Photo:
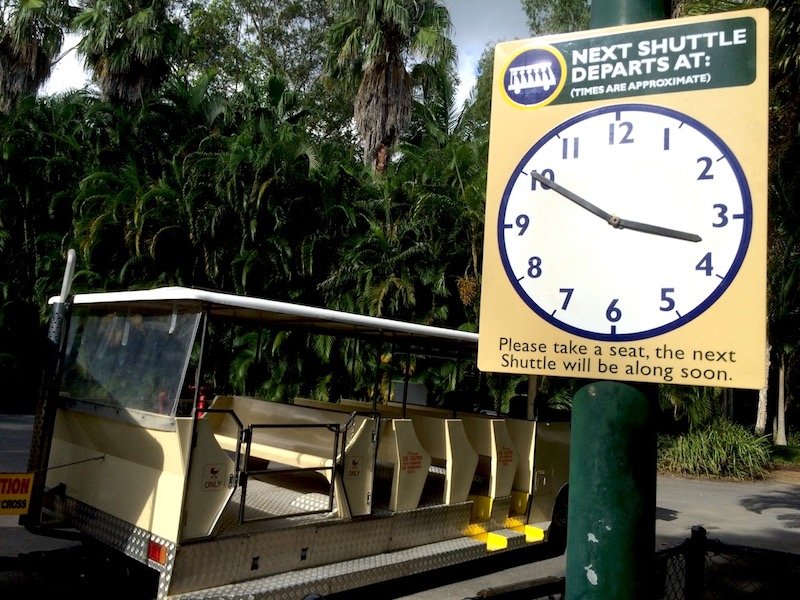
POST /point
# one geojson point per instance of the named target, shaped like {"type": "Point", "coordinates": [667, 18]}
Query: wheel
{"type": "Point", "coordinates": [557, 534]}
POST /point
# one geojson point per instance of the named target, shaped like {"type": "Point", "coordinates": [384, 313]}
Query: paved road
{"type": "Point", "coordinates": [761, 514]}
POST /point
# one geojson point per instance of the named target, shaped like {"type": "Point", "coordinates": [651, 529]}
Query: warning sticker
{"type": "Point", "coordinates": [15, 493]}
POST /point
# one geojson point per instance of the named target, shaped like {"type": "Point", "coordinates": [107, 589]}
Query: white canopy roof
{"type": "Point", "coordinates": [284, 315]}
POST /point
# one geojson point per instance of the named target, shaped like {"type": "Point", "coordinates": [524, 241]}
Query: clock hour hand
{"type": "Point", "coordinates": [613, 220]}
{"type": "Point", "coordinates": [654, 229]}
{"type": "Point", "coordinates": [595, 210]}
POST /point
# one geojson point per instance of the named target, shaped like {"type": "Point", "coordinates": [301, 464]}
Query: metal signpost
{"type": "Point", "coordinates": [625, 241]}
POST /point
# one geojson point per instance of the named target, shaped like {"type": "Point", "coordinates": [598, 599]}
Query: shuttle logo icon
{"type": "Point", "coordinates": [534, 77]}
{"type": "Point", "coordinates": [212, 477]}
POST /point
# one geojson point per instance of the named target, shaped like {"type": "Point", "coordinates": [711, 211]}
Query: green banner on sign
{"type": "Point", "coordinates": [712, 54]}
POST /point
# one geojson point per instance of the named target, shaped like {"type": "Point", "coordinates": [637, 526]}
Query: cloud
{"type": "Point", "coordinates": [478, 23]}
{"type": "Point", "coordinates": [68, 73]}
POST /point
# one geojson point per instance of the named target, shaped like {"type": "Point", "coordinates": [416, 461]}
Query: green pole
{"type": "Point", "coordinates": [612, 474]}
{"type": "Point", "coordinates": [612, 494]}
{"type": "Point", "coordinates": [605, 13]}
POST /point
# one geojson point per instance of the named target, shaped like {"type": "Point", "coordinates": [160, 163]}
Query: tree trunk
{"type": "Point", "coordinates": [780, 431]}
{"type": "Point", "coordinates": [727, 398]}
{"type": "Point", "coordinates": [761, 412]}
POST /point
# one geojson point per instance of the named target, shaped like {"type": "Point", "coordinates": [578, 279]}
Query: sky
{"type": "Point", "coordinates": [476, 23]}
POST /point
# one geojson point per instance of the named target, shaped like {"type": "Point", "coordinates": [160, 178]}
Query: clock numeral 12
{"type": "Point", "coordinates": [626, 134]}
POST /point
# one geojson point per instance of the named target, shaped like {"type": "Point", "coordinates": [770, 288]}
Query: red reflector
{"type": "Point", "coordinates": [156, 552]}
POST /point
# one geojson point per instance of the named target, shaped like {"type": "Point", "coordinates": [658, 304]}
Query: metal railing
{"type": "Point", "coordinates": [707, 569]}
{"type": "Point", "coordinates": [243, 454]}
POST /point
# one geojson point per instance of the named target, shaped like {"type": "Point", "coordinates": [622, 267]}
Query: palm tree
{"type": "Point", "coordinates": [415, 251]}
{"type": "Point", "coordinates": [31, 36]}
{"type": "Point", "coordinates": [129, 46]}
{"type": "Point", "coordinates": [373, 42]}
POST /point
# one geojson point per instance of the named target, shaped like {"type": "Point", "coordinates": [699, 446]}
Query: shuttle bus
{"type": "Point", "coordinates": [244, 447]}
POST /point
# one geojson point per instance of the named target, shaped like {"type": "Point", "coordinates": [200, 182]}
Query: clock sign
{"type": "Point", "coordinates": [626, 217]}
{"type": "Point", "coordinates": [663, 209]}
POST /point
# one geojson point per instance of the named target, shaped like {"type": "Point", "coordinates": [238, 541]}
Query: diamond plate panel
{"type": "Point", "coordinates": [500, 511]}
{"type": "Point", "coordinates": [121, 536]}
{"type": "Point", "coordinates": [429, 524]}
{"type": "Point", "coordinates": [289, 558]}
{"type": "Point", "coordinates": [347, 575]}
{"type": "Point", "coordinates": [256, 554]}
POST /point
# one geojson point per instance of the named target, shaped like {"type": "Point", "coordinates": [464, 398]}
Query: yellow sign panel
{"type": "Point", "coordinates": [15, 493]}
{"type": "Point", "coordinates": [626, 212]}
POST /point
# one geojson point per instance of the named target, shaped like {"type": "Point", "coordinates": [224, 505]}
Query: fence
{"type": "Point", "coordinates": [697, 569]}
{"type": "Point", "coordinates": [705, 569]}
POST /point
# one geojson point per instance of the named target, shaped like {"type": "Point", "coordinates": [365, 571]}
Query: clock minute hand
{"type": "Point", "coordinates": [654, 229]}
{"type": "Point", "coordinates": [595, 210]}
{"type": "Point", "coordinates": [613, 220]}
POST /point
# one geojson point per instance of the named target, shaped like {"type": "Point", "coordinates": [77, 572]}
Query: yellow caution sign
{"type": "Point", "coordinates": [15, 493]}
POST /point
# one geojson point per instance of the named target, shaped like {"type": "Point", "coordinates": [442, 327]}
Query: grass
{"type": "Point", "coordinates": [785, 455]}
{"type": "Point", "coordinates": [720, 450]}
{"type": "Point", "coordinates": [725, 450]}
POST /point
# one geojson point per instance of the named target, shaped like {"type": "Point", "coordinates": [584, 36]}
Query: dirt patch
{"type": "Point", "coordinates": [785, 474]}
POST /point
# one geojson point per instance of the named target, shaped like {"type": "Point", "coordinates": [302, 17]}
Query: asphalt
{"type": "Point", "coordinates": [759, 514]}
{"type": "Point", "coordinates": [15, 440]}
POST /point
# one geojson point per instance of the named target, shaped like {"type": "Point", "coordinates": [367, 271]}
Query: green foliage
{"type": "Point", "coordinates": [546, 16]}
{"type": "Point", "coordinates": [693, 403]}
{"type": "Point", "coordinates": [789, 454]}
{"type": "Point", "coordinates": [721, 449]}
{"type": "Point", "coordinates": [241, 172]}
{"type": "Point", "coordinates": [793, 439]}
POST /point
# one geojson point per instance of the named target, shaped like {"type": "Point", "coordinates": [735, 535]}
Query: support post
{"type": "Point", "coordinates": [44, 419]}
{"type": "Point", "coordinates": [611, 529]}
{"type": "Point", "coordinates": [695, 564]}
{"type": "Point", "coordinates": [612, 494]}
{"type": "Point", "coordinates": [606, 13]}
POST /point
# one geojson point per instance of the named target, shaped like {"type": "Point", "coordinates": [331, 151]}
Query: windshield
{"type": "Point", "coordinates": [129, 360]}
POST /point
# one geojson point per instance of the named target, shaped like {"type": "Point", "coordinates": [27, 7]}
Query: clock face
{"type": "Point", "coordinates": [644, 226]}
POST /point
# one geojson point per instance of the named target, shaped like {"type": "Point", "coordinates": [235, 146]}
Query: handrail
{"type": "Point", "coordinates": [239, 435]}
{"type": "Point", "coordinates": [333, 427]}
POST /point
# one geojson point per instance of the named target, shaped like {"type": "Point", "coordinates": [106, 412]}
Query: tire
{"type": "Point", "coordinates": [557, 534]}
